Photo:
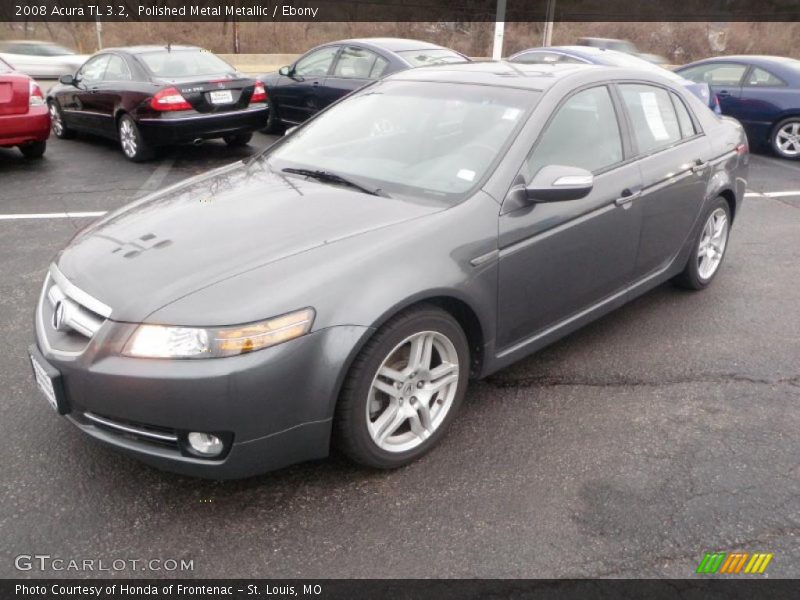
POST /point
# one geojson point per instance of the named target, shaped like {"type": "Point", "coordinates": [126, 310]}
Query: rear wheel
{"type": "Point", "coordinates": [130, 140]}
{"type": "Point", "coordinates": [236, 141]}
{"type": "Point", "coordinates": [33, 149]}
{"type": "Point", "coordinates": [60, 130]}
{"type": "Point", "coordinates": [709, 248]}
{"type": "Point", "coordinates": [786, 138]}
{"type": "Point", "coordinates": [403, 389]}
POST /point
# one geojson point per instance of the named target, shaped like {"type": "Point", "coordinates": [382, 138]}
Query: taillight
{"type": "Point", "coordinates": [259, 93]}
{"type": "Point", "coordinates": [169, 99]}
{"type": "Point", "coordinates": [35, 94]}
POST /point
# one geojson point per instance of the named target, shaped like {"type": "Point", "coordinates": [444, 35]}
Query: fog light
{"type": "Point", "coordinates": [205, 444]}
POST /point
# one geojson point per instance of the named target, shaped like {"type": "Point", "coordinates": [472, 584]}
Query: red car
{"type": "Point", "coordinates": [24, 118]}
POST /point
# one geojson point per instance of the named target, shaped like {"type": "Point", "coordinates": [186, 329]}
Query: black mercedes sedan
{"type": "Point", "coordinates": [328, 72]}
{"type": "Point", "coordinates": [343, 286]}
{"type": "Point", "coordinates": [149, 96]}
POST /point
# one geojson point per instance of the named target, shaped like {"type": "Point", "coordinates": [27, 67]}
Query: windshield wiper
{"type": "Point", "coordinates": [336, 178]}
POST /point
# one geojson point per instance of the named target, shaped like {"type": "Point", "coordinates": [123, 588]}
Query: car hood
{"type": "Point", "coordinates": [214, 227]}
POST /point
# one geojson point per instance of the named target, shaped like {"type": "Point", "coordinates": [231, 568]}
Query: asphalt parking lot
{"type": "Point", "coordinates": [629, 449]}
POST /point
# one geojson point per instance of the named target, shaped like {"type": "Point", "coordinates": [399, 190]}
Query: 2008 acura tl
{"type": "Point", "coordinates": [343, 286]}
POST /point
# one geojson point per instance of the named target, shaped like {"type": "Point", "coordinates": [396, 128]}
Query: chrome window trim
{"type": "Point", "coordinates": [232, 113]}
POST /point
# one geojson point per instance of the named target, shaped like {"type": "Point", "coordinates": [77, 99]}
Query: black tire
{"type": "Point", "coordinates": [274, 125]}
{"type": "Point", "coordinates": [33, 150]}
{"type": "Point", "coordinates": [792, 136]}
{"type": "Point", "coordinates": [691, 277]}
{"type": "Point", "coordinates": [133, 145]}
{"type": "Point", "coordinates": [57, 125]}
{"type": "Point", "coordinates": [237, 141]}
{"type": "Point", "coordinates": [351, 434]}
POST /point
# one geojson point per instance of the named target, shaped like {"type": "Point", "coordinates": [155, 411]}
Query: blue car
{"type": "Point", "coordinates": [613, 58]}
{"type": "Point", "coordinates": [762, 92]}
{"type": "Point", "coordinates": [328, 72]}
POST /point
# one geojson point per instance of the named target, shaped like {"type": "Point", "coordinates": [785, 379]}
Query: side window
{"type": "Point", "coordinates": [761, 78]}
{"type": "Point", "coordinates": [583, 133]}
{"type": "Point", "coordinates": [653, 117]}
{"type": "Point", "coordinates": [354, 62]}
{"type": "Point", "coordinates": [379, 68]}
{"type": "Point", "coordinates": [317, 63]}
{"type": "Point", "coordinates": [94, 69]}
{"type": "Point", "coordinates": [684, 119]}
{"type": "Point", "coordinates": [117, 70]}
{"type": "Point", "coordinates": [716, 73]}
{"type": "Point", "coordinates": [537, 58]}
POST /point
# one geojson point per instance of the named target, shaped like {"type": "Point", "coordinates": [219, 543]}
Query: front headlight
{"type": "Point", "coordinates": [161, 341]}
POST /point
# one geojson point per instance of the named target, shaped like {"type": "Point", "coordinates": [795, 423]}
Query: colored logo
{"type": "Point", "coordinates": [734, 563]}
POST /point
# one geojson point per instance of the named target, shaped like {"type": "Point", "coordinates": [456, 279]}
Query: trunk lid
{"type": "Point", "coordinates": [220, 93]}
{"type": "Point", "coordinates": [14, 94]}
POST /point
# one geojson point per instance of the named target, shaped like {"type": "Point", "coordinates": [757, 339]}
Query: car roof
{"type": "Point", "coordinates": [392, 44]}
{"type": "Point", "coordinates": [149, 48]}
{"type": "Point", "coordinates": [536, 77]}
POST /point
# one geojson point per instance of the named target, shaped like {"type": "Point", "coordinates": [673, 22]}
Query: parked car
{"type": "Point", "coordinates": [625, 46]}
{"type": "Point", "coordinates": [328, 72]}
{"type": "Point", "coordinates": [24, 120]}
{"type": "Point", "coordinates": [613, 58]}
{"type": "Point", "coordinates": [44, 60]}
{"type": "Point", "coordinates": [762, 92]}
{"type": "Point", "coordinates": [346, 283]}
{"type": "Point", "coordinates": [149, 96]}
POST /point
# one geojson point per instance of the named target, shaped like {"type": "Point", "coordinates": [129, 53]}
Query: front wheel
{"type": "Point", "coordinates": [237, 141]}
{"type": "Point", "coordinates": [60, 130]}
{"type": "Point", "coordinates": [131, 141]}
{"type": "Point", "coordinates": [273, 121]}
{"type": "Point", "coordinates": [709, 248]}
{"type": "Point", "coordinates": [403, 389]}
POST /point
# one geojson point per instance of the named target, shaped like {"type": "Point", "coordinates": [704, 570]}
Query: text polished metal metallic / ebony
{"type": "Point", "coordinates": [343, 286]}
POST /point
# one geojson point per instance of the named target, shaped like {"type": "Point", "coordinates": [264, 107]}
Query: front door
{"type": "Point", "coordinates": [298, 95]}
{"type": "Point", "coordinates": [558, 258]}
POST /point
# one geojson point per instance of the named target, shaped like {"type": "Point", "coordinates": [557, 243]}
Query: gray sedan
{"type": "Point", "coordinates": [343, 286]}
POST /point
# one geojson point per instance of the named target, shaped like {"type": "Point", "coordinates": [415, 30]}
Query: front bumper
{"type": "Point", "coordinates": [170, 128]}
{"type": "Point", "coordinates": [275, 406]}
{"type": "Point", "coordinates": [33, 126]}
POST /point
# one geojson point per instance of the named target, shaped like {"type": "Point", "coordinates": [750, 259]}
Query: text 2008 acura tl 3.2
{"type": "Point", "coordinates": [342, 287]}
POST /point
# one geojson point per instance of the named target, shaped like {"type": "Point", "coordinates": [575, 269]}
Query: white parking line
{"type": "Point", "coordinates": [773, 194]}
{"type": "Point", "coordinates": [58, 215]}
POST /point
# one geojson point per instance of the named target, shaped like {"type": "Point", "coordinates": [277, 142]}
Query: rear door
{"type": "Point", "coordinates": [558, 258]}
{"type": "Point", "coordinates": [725, 80]}
{"type": "Point", "coordinates": [354, 68]}
{"type": "Point", "coordinates": [298, 94]}
{"type": "Point", "coordinates": [673, 156]}
{"type": "Point", "coordinates": [765, 98]}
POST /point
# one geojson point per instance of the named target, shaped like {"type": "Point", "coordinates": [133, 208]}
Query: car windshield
{"type": "Point", "coordinates": [415, 138]}
{"type": "Point", "coordinates": [433, 56]}
{"type": "Point", "coordinates": [184, 63]}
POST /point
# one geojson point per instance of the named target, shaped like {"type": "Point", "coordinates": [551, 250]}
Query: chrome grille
{"type": "Point", "coordinates": [67, 317]}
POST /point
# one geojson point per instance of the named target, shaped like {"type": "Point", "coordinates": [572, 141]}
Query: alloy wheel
{"type": "Point", "coordinates": [787, 139]}
{"type": "Point", "coordinates": [127, 138]}
{"type": "Point", "coordinates": [55, 120]}
{"type": "Point", "coordinates": [712, 243]}
{"type": "Point", "coordinates": [412, 391]}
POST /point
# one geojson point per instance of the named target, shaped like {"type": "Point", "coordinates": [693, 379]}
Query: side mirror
{"type": "Point", "coordinates": [67, 79]}
{"type": "Point", "coordinates": [285, 71]}
{"type": "Point", "coordinates": [555, 183]}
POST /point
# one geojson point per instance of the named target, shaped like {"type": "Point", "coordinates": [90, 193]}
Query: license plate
{"type": "Point", "coordinates": [45, 383]}
{"type": "Point", "coordinates": [221, 97]}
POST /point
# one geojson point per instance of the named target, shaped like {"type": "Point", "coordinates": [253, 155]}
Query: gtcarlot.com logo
{"type": "Point", "coordinates": [46, 562]}
{"type": "Point", "coordinates": [734, 563]}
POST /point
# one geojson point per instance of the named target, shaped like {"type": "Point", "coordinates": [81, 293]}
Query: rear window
{"type": "Point", "coordinates": [434, 56]}
{"type": "Point", "coordinates": [184, 63]}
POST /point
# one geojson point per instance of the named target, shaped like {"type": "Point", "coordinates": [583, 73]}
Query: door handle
{"type": "Point", "coordinates": [699, 166]}
{"type": "Point", "coordinates": [723, 93]}
{"type": "Point", "coordinates": [627, 197]}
